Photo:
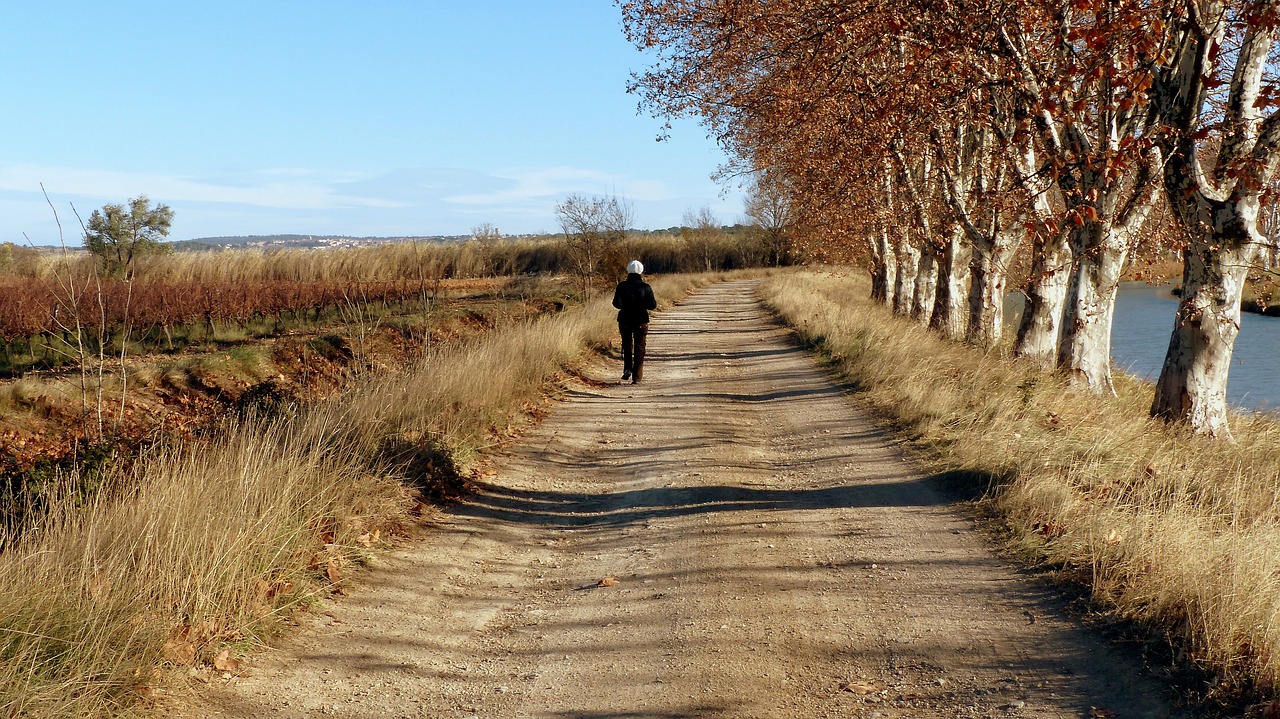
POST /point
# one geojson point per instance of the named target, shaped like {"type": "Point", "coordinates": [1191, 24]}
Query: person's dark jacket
{"type": "Point", "coordinates": [634, 298]}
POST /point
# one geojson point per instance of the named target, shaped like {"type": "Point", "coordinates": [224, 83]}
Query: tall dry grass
{"type": "Point", "coordinates": [206, 545]}
{"type": "Point", "coordinates": [1178, 533]}
{"type": "Point", "coordinates": [391, 261]}
{"type": "Point", "coordinates": [414, 261]}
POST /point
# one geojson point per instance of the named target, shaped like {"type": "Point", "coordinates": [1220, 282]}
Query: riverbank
{"type": "Point", "coordinates": [1170, 533]}
{"type": "Point", "coordinates": [1256, 299]}
{"type": "Point", "coordinates": [1261, 294]}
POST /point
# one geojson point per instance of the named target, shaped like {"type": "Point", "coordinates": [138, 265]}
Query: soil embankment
{"type": "Point", "coordinates": [732, 538]}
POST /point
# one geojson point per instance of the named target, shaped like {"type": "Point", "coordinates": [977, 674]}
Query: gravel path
{"type": "Point", "coordinates": [732, 538]}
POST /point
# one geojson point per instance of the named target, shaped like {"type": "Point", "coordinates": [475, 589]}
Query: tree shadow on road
{"type": "Point", "coordinates": [624, 507]}
{"type": "Point", "coordinates": [692, 713]}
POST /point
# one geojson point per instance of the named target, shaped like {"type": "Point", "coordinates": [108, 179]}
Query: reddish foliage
{"type": "Point", "coordinates": [33, 307]}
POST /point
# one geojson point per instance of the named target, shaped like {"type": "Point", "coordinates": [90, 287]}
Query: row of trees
{"type": "Point", "coordinates": [947, 140]}
{"type": "Point", "coordinates": [596, 229]}
{"type": "Point", "coordinates": [702, 243]}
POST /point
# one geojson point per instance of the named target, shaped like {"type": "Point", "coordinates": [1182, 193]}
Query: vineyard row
{"type": "Point", "coordinates": [34, 309]}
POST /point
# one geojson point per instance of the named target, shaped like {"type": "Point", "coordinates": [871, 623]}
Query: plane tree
{"type": "Point", "coordinates": [1216, 94]}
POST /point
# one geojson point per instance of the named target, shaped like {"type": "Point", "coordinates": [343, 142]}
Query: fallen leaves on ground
{"type": "Point", "coordinates": [180, 648]}
{"type": "Point", "coordinates": [224, 663]}
{"type": "Point", "coordinates": [334, 575]}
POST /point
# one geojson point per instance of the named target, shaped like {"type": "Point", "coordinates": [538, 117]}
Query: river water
{"type": "Point", "coordinates": [1140, 336]}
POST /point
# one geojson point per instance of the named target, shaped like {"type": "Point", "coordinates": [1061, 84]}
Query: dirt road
{"type": "Point", "coordinates": [765, 552]}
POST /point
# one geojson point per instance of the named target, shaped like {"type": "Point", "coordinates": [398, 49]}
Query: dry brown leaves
{"type": "Point", "coordinates": [185, 642]}
{"type": "Point", "coordinates": [270, 590]}
{"type": "Point", "coordinates": [861, 687]}
{"type": "Point", "coordinates": [224, 663]}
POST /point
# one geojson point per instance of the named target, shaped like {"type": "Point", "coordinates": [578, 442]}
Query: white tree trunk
{"type": "Point", "coordinates": [926, 287]}
{"type": "Point", "coordinates": [988, 283]}
{"type": "Point", "coordinates": [949, 317]}
{"type": "Point", "coordinates": [904, 284]}
{"type": "Point", "coordinates": [1193, 381]}
{"type": "Point", "coordinates": [1084, 350]}
{"type": "Point", "coordinates": [1099, 250]}
{"type": "Point", "coordinates": [986, 300]}
{"type": "Point", "coordinates": [884, 268]}
{"type": "Point", "coordinates": [1046, 295]}
{"type": "Point", "coordinates": [1218, 204]}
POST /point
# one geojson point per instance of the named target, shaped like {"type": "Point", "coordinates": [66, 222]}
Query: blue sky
{"type": "Point", "coordinates": [374, 118]}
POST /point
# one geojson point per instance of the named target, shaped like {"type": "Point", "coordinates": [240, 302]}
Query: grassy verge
{"type": "Point", "coordinates": [200, 549]}
{"type": "Point", "coordinates": [1177, 534]}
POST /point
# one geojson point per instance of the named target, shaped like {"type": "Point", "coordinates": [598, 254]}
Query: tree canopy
{"type": "Point", "coordinates": [950, 143]}
{"type": "Point", "coordinates": [119, 234]}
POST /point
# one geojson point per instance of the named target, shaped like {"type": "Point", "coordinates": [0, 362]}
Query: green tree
{"type": "Point", "coordinates": [118, 234]}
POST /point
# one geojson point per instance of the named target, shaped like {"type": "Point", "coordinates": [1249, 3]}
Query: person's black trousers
{"type": "Point", "coordinates": [633, 341]}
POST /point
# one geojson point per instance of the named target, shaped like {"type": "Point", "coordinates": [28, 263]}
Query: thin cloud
{"type": "Point", "coordinates": [404, 201]}
{"type": "Point", "coordinates": [303, 191]}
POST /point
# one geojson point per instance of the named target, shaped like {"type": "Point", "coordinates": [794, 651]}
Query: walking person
{"type": "Point", "coordinates": [633, 298]}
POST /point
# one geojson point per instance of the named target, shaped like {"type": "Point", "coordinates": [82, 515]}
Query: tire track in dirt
{"type": "Point", "coordinates": [774, 556]}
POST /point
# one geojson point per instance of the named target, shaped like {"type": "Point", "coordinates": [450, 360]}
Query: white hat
{"type": "Point", "coordinates": [635, 268]}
